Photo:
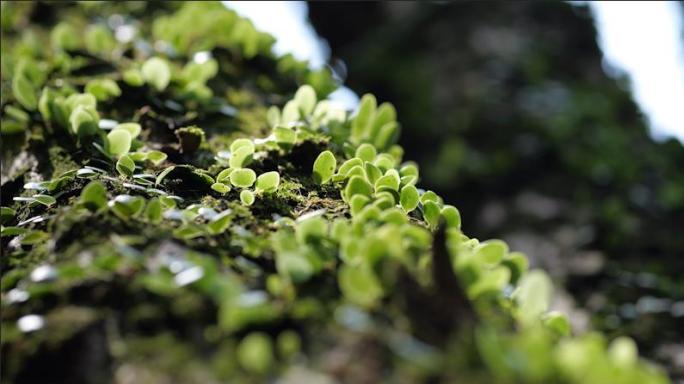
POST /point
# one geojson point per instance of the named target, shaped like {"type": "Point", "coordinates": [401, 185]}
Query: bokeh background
{"type": "Point", "coordinates": [556, 126]}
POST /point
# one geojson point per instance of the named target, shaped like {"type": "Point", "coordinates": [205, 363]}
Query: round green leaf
{"type": "Point", "coordinates": [491, 251]}
{"type": "Point", "coordinates": [240, 143]}
{"type": "Point", "coordinates": [224, 175]}
{"type": "Point", "coordinates": [452, 216]}
{"type": "Point", "coordinates": [366, 152]}
{"type": "Point", "coordinates": [409, 198]}
{"type": "Point", "coordinates": [24, 92]}
{"type": "Point", "coordinates": [324, 167]}
{"type": "Point", "coordinates": [220, 188]}
{"type": "Point", "coordinates": [156, 157]}
{"type": "Point", "coordinates": [119, 141]}
{"type": "Point", "coordinates": [242, 178]}
{"type": "Point", "coordinates": [359, 285]}
{"type": "Point", "coordinates": [94, 196]}
{"type": "Point", "coordinates": [305, 97]}
{"type": "Point", "coordinates": [241, 157]}
{"type": "Point", "coordinates": [82, 121]}
{"type": "Point", "coordinates": [125, 165]}
{"type": "Point", "coordinates": [156, 72]}
{"type": "Point", "coordinates": [285, 136]}
{"type": "Point", "coordinates": [255, 353]}
{"type": "Point", "coordinates": [153, 211]}
{"type": "Point", "coordinates": [132, 128]}
{"type": "Point", "coordinates": [358, 185]}
{"type": "Point", "coordinates": [533, 296]}
{"type": "Point", "coordinates": [268, 182]}
{"type": "Point", "coordinates": [431, 213]}
{"type": "Point", "coordinates": [247, 197]}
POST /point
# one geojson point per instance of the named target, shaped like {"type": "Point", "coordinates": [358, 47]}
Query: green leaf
{"type": "Point", "coordinates": [247, 197]}
{"type": "Point", "coordinates": [359, 285]}
{"type": "Point", "coordinates": [94, 196]}
{"type": "Point", "coordinates": [125, 166]}
{"type": "Point", "coordinates": [255, 353]}
{"type": "Point", "coordinates": [220, 222]}
{"type": "Point", "coordinates": [132, 128]}
{"type": "Point", "coordinates": [431, 213]}
{"type": "Point", "coordinates": [285, 136]}
{"type": "Point", "coordinates": [366, 152]}
{"type": "Point", "coordinates": [385, 114]}
{"type": "Point", "coordinates": [387, 135]}
{"type": "Point", "coordinates": [409, 198]}
{"type": "Point", "coordinates": [156, 157]}
{"type": "Point", "coordinates": [452, 216]}
{"type": "Point", "coordinates": [493, 281]}
{"type": "Point", "coordinates": [361, 122]}
{"type": "Point", "coordinates": [324, 167]}
{"type": "Point", "coordinates": [224, 175]}
{"type": "Point", "coordinates": [384, 161]}
{"type": "Point", "coordinates": [103, 89]}
{"type": "Point", "coordinates": [290, 112]}
{"type": "Point", "coordinates": [241, 157]}
{"type": "Point", "coordinates": [242, 178]}
{"type": "Point", "coordinates": [45, 103]}
{"type": "Point", "coordinates": [430, 196]}
{"type": "Point", "coordinates": [390, 181]}
{"type": "Point", "coordinates": [305, 97]}
{"type": "Point", "coordinates": [557, 322]}
{"type": "Point", "coordinates": [273, 116]}
{"type": "Point", "coordinates": [6, 214]}
{"type": "Point", "coordinates": [357, 185]}
{"type": "Point", "coordinates": [46, 200]}
{"type": "Point", "coordinates": [409, 170]}
{"type": "Point", "coordinates": [268, 182]}
{"type": "Point", "coordinates": [623, 352]}
{"type": "Point", "coordinates": [164, 173]}
{"type": "Point", "coordinates": [241, 143]}
{"type": "Point", "coordinates": [220, 188]}
{"type": "Point", "coordinates": [126, 206]}
{"type": "Point", "coordinates": [82, 121]}
{"type": "Point", "coordinates": [119, 142]}
{"type": "Point", "coordinates": [156, 72]}
{"type": "Point", "coordinates": [517, 263]}
{"type": "Point", "coordinates": [348, 165]}
{"type": "Point", "coordinates": [133, 77]}
{"type": "Point", "coordinates": [99, 39]}
{"type": "Point", "coordinates": [24, 92]}
{"type": "Point", "coordinates": [12, 231]}
{"type": "Point", "coordinates": [64, 36]}
{"type": "Point", "coordinates": [533, 296]}
{"type": "Point", "coordinates": [153, 211]}
{"type": "Point", "coordinates": [311, 229]}
{"type": "Point", "coordinates": [372, 172]}
{"type": "Point", "coordinates": [357, 203]}
{"type": "Point", "coordinates": [491, 251]}
{"type": "Point", "coordinates": [288, 344]}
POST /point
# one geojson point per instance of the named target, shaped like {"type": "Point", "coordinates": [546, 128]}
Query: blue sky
{"type": "Point", "coordinates": [639, 38]}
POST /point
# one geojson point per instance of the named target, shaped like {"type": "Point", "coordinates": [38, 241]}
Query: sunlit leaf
{"type": "Point", "coordinates": [324, 167]}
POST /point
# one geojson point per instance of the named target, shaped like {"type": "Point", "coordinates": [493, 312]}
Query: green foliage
{"type": "Point", "coordinates": [268, 182]}
{"type": "Point", "coordinates": [247, 197]}
{"type": "Point", "coordinates": [119, 142]}
{"type": "Point", "coordinates": [156, 72]}
{"type": "Point", "coordinates": [303, 264]}
{"type": "Point", "coordinates": [125, 166]}
{"type": "Point", "coordinates": [324, 167]}
{"type": "Point", "coordinates": [94, 196]}
{"type": "Point", "coordinates": [242, 178]}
